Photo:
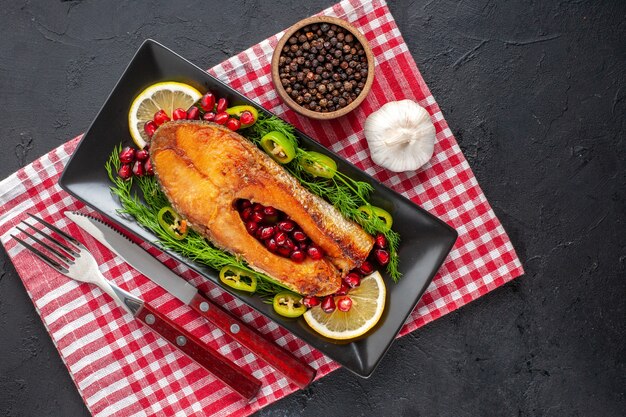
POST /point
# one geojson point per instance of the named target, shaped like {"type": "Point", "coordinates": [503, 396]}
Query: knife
{"type": "Point", "coordinates": [295, 371]}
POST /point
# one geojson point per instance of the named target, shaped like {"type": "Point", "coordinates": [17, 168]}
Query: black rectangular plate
{"type": "Point", "coordinates": [426, 240]}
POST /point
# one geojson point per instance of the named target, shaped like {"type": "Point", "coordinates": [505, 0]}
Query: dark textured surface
{"type": "Point", "coordinates": [536, 95]}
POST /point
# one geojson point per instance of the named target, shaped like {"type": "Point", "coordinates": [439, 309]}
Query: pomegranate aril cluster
{"type": "Point", "coordinates": [213, 109]}
{"type": "Point", "coordinates": [379, 255]}
{"type": "Point", "coordinates": [134, 162]}
{"type": "Point", "coordinates": [277, 232]}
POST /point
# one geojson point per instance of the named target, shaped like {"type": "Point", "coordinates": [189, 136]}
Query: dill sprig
{"type": "Point", "coordinates": [194, 246]}
{"type": "Point", "coordinates": [342, 191]}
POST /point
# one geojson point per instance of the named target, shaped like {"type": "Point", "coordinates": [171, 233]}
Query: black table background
{"type": "Point", "coordinates": [535, 94]}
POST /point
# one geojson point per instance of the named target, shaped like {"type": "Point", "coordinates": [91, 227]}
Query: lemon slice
{"type": "Point", "coordinates": [368, 303]}
{"type": "Point", "coordinates": [167, 96]}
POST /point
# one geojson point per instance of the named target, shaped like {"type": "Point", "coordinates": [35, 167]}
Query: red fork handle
{"type": "Point", "coordinates": [226, 371]}
{"type": "Point", "coordinates": [278, 358]}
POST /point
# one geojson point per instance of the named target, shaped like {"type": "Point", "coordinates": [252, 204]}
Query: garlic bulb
{"type": "Point", "coordinates": [400, 135]}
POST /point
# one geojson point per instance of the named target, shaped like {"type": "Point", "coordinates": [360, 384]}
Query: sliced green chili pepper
{"type": "Point", "coordinates": [237, 111]}
{"type": "Point", "coordinates": [238, 278]}
{"type": "Point", "coordinates": [289, 304]}
{"type": "Point", "coordinates": [370, 211]}
{"type": "Point", "coordinates": [278, 147]}
{"type": "Point", "coordinates": [318, 165]}
{"type": "Point", "coordinates": [172, 223]}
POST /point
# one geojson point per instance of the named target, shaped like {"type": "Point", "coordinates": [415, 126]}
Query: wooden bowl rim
{"type": "Point", "coordinates": [310, 113]}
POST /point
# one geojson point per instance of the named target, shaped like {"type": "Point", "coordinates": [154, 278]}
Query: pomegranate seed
{"type": "Point", "coordinates": [281, 238]}
{"type": "Point", "coordinates": [270, 211]}
{"type": "Point", "coordinates": [353, 280]}
{"type": "Point", "coordinates": [299, 236]}
{"type": "Point", "coordinates": [127, 155]}
{"type": "Point", "coordinates": [147, 166]}
{"type": "Point", "coordinates": [285, 251]}
{"type": "Point", "coordinates": [303, 247]}
{"type": "Point", "coordinates": [246, 214]}
{"type": "Point", "coordinates": [150, 127]}
{"type": "Point", "coordinates": [366, 268]}
{"type": "Point", "coordinates": [381, 241]}
{"type": "Point", "coordinates": [138, 169]}
{"type": "Point", "coordinates": [179, 114]}
{"type": "Point", "coordinates": [222, 105]}
{"type": "Point", "coordinates": [286, 226]}
{"type": "Point", "coordinates": [328, 304]}
{"type": "Point", "coordinates": [233, 124]}
{"type": "Point", "coordinates": [289, 244]}
{"type": "Point", "coordinates": [257, 216]}
{"type": "Point", "coordinates": [344, 304]}
{"type": "Point", "coordinates": [207, 101]}
{"type": "Point", "coordinates": [382, 256]}
{"type": "Point", "coordinates": [315, 252]}
{"type": "Point", "coordinates": [271, 244]}
{"type": "Point", "coordinates": [208, 116]}
{"type": "Point", "coordinates": [125, 172]}
{"type": "Point", "coordinates": [343, 290]}
{"type": "Point", "coordinates": [297, 256]}
{"type": "Point", "coordinates": [310, 301]}
{"type": "Point", "coordinates": [267, 232]}
{"type": "Point", "coordinates": [257, 207]}
{"type": "Point", "coordinates": [246, 118]}
{"type": "Point", "coordinates": [193, 113]}
{"type": "Point", "coordinates": [141, 155]}
{"type": "Point", "coordinates": [243, 204]}
{"type": "Point", "coordinates": [221, 118]}
{"type": "Point", "coordinates": [252, 227]}
{"type": "Point", "coordinates": [161, 117]}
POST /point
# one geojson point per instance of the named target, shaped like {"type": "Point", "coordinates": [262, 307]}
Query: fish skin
{"type": "Point", "coordinates": [203, 168]}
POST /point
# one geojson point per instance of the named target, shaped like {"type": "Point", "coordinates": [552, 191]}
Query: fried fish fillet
{"type": "Point", "coordinates": [203, 168]}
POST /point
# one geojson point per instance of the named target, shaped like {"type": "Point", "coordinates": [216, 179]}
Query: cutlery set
{"type": "Point", "coordinates": [70, 257]}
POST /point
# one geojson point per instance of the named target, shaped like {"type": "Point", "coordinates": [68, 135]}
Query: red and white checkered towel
{"type": "Point", "coordinates": [121, 368]}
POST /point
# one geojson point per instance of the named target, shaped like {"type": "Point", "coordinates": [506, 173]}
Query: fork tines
{"type": "Point", "coordinates": [60, 254]}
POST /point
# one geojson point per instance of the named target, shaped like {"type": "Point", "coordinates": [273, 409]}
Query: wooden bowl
{"type": "Point", "coordinates": [310, 113]}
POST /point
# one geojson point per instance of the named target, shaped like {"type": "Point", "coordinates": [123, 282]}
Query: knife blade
{"type": "Point", "coordinates": [284, 362]}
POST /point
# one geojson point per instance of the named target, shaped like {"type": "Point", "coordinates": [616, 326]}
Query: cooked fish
{"type": "Point", "coordinates": [203, 168]}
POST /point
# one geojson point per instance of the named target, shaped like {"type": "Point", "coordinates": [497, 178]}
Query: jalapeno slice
{"type": "Point", "coordinates": [370, 211]}
{"type": "Point", "coordinates": [238, 278]}
{"type": "Point", "coordinates": [237, 111]}
{"type": "Point", "coordinates": [172, 223]}
{"type": "Point", "coordinates": [318, 165]}
{"type": "Point", "coordinates": [288, 304]}
{"type": "Point", "coordinates": [278, 147]}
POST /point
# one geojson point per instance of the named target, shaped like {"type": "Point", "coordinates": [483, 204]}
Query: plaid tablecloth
{"type": "Point", "coordinates": [121, 368]}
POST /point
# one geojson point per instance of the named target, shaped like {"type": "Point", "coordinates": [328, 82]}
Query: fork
{"type": "Point", "coordinates": [72, 259]}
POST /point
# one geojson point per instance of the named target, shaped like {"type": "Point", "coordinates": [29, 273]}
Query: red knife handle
{"type": "Point", "coordinates": [297, 372]}
{"type": "Point", "coordinates": [229, 373]}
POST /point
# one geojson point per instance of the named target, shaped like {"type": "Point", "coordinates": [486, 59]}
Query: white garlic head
{"type": "Point", "coordinates": [400, 135]}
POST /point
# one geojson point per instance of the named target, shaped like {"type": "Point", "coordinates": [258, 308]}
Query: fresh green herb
{"type": "Point", "coordinates": [145, 211]}
{"type": "Point", "coordinates": [343, 192]}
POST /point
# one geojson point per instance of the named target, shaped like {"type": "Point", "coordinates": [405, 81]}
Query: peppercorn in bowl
{"type": "Point", "coordinates": [322, 67]}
